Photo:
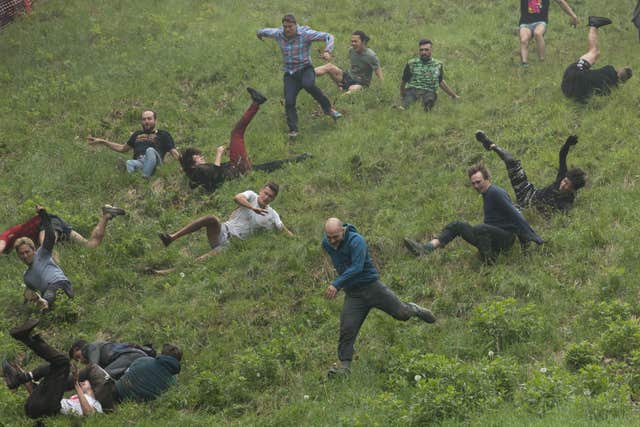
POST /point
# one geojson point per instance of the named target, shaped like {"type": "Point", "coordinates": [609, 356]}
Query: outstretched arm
{"type": "Point", "coordinates": [268, 32]}
{"type": "Point", "coordinates": [379, 73]}
{"type": "Point", "coordinates": [120, 148]}
{"type": "Point", "coordinates": [448, 90]}
{"type": "Point", "coordinates": [565, 6]}
{"type": "Point", "coordinates": [286, 230]}
{"type": "Point", "coordinates": [564, 151]}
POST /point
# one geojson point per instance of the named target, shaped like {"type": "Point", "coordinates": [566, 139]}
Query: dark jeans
{"type": "Point", "coordinates": [427, 97]}
{"type": "Point", "coordinates": [524, 189]}
{"type": "Point", "coordinates": [357, 303]}
{"type": "Point", "coordinates": [45, 398]}
{"type": "Point", "coordinates": [50, 293]}
{"type": "Point", "coordinates": [293, 83]}
{"type": "Point", "coordinates": [489, 240]}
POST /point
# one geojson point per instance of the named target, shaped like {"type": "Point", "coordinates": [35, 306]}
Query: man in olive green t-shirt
{"type": "Point", "coordinates": [421, 78]}
{"type": "Point", "coordinates": [364, 63]}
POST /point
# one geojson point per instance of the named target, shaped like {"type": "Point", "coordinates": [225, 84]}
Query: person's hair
{"type": "Point", "coordinates": [479, 168]}
{"type": "Point", "coordinates": [289, 18]}
{"type": "Point", "coordinates": [363, 37]}
{"type": "Point", "coordinates": [577, 177]}
{"type": "Point", "coordinates": [78, 345]}
{"type": "Point", "coordinates": [626, 74]}
{"type": "Point", "coordinates": [173, 351]}
{"type": "Point", "coordinates": [273, 186]}
{"type": "Point", "coordinates": [424, 41]}
{"type": "Point", "coordinates": [24, 241]}
{"type": "Point", "coordinates": [186, 160]}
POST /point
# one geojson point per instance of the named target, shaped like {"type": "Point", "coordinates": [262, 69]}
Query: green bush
{"type": "Point", "coordinates": [621, 338]}
{"type": "Point", "coordinates": [544, 390]}
{"type": "Point", "coordinates": [505, 323]}
{"type": "Point", "coordinates": [579, 355]}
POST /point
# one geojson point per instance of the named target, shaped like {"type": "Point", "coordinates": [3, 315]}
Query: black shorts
{"type": "Point", "coordinates": [348, 81]}
{"type": "Point", "coordinates": [573, 80]}
{"type": "Point", "coordinates": [62, 228]}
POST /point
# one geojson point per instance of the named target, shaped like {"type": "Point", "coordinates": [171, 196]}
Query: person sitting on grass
{"type": "Point", "coordinates": [363, 63]}
{"type": "Point", "coordinates": [252, 215]}
{"type": "Point", "coordinates": [150, 146]}
{"type": "Point", "coordinates": [579, 81]}
{"type": "Point", "coordinates": [33, 230]}
{"type": "Point", "coordinates": [502, 222]}
{"type": "Point", "coordinates": [113, 357]}
{"type": "Point", "coordinates": [47, 397]}
{"type": "Point", "coordinates": [211, 175]}
{"type": "Point", "coordinates": [556, 196]}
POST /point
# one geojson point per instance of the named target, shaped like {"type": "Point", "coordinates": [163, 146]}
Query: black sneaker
{"type": "Point", "coordinates": [24, 330]}
{"type": "Point", "coordinates": [256, 96]}
{"type": "Point", "coordinates": [414, 247]}
{"type": "Point", "coordinates": [12, 377]}
{"type": "Point", "coordinates": [482, 138]}
{"type": "Point", "coordinates": [112, 210]}
{"type": "Point", "coordinates": [68, 290]}
{"type": "Point", "coordinates": [336, 371]}
{"type": "Point", "coordinates": [166, 239]}
{"type": "Point", "coordinates": [598, 21]}
{"type": "Point", "coordinates": [424, 314]}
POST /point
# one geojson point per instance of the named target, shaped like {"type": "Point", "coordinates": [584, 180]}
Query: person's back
{"type": "Point", "coordinates": [148, 377]}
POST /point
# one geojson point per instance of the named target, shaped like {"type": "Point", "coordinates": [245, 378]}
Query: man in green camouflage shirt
{"type": "Point", "coordinates": [421, 78]}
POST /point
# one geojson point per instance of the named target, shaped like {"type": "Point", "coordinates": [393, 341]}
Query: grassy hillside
{"type": "Point", "coordinates": [550, 337]}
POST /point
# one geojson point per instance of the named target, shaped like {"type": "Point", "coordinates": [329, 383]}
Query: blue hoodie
{"type": "Point", "coordinates": [351, 259]}
{"type": "Point", "coordinates": [148, 377]}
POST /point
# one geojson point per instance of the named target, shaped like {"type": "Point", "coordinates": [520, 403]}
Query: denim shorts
{"type": "Point", "coordinates": [532, 26]}
{"type": "Point", "coordinates": [223, 238]}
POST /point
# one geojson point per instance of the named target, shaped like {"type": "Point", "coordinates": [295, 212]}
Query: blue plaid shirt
{"type": "Point", "coordinates": [295, 51]}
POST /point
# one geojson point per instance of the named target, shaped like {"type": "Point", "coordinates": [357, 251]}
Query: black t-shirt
{"type": "Point", "coordinates": [601, 80]}
{"type": "Point", "coordinates": [140, 140]}
{"type": "Point", "coordinates": [211, 176]}
{"type": "Point", "coordinates": [534, 11]}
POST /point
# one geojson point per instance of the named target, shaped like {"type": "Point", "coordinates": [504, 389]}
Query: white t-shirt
{"type": "Point", "coordinates": [243, 221]}
{"type": "Point", "coordinates": [71, 406]}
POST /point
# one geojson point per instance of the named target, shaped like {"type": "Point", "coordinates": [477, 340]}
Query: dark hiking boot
{"type": "Point", "coordinates": [12, 377]}
{"type": "Point", "coordinates": [256, 96]}
{"type": "Point", "coordinates": [598, 21]}
{"type": "Point", "coordinates": [336, 371]}
{"type": "Point", "coordinates": [166, 239]}
{"type": "Point", "coordinates": [23, 331]}
{"type": "Point", "coordinates": [482, 138]}
{"type": "Point", "coordinates": [424, 314]}
{"type": "Point", "coordinates": [112, 210]}
{"type": "Point", "coordinates": [414, 247]}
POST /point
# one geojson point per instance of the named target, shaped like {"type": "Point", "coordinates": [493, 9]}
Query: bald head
{"type": "Point", "coordinates": [334, 230]}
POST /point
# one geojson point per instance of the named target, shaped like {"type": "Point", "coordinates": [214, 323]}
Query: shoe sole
{"type": "Point", "coordinates": [410, 247]}
{"type": "Point", "coordinates": [112, 210]}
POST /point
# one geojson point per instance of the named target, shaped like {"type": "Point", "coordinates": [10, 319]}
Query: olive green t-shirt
{"type": "Point", "coordinates": [363, 65]}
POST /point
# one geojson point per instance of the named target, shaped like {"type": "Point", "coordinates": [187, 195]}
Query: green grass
{"type": "Point", "coordinates": [75, 68]}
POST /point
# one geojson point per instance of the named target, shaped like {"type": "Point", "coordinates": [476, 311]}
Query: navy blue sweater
{"type": "Point", "coordinates": [500, 212]}
{"type": "Point", "coordinates": [351, 260]}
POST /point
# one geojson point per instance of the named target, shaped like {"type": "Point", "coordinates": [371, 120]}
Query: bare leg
{"type": "Point", "coordinates": [525, 37]}
{"type": "Point", "coordinates": [538, 33]}
{"type": "Point", "coordinates": [334, 72]}
{"type": "Point", "coordinates": [97, 235]}
{"type": "Point", "coordinates": [354, 88]}
{"type": "Point", "coordinates": [210, 222]}
{"type": "Point", "coordinates": [435, 243]}
{"type": "Point", "coordinates": [594, 52]}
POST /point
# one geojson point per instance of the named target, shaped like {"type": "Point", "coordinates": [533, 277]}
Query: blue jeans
{"type": "Point", "coordinates": [293, 83]}
{"type": "Point", "coordinates": [147, 162]}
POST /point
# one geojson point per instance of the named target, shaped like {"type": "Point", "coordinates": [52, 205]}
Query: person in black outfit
{"type": "Point", "coordinates": [211, 175]}
{"type": "Point", "coordinates": [557, 196]}
{"type": "Point", "coordinates": [502, 222]}
{"type": "Point", "coordinates": [579, 81]}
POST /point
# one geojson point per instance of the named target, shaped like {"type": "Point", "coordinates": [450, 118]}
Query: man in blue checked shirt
{"type": "Point", "coordinates": [295, 44]}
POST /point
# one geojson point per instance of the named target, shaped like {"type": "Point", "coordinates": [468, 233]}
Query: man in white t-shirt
{"type": "Point", "coordinates": [252, 215]}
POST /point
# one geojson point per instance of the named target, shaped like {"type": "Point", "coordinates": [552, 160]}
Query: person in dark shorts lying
{"type": "Point", "coordinates": [580, 81]}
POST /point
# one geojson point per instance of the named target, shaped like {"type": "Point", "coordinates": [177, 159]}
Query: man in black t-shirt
{"type": "Point", "coordinates": [149, 145]}
{"type": "Point", "coordinates": [579, 81]}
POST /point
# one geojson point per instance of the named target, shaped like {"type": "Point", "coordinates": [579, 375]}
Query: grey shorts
{"type": "Point", "coordinates": [223, 238]}
{"type": "Point", "coordinates": [532, 26]}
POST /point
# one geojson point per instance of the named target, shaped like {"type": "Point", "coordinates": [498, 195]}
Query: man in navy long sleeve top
{"type": "Point", "coordinates": [359, 279]}
{"type": "Point", "coordinates": [502, 222]}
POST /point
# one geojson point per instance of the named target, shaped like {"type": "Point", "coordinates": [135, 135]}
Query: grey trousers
{"type": "Point", "coordinates": [357, 304]}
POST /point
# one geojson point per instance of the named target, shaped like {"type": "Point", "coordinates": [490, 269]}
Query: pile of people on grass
{"type": "Point", "coordinates": [118, 371]}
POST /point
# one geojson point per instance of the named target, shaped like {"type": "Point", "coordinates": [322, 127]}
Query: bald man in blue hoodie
{"type": "Point", "coordinates": [359, 279]}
